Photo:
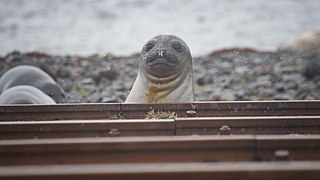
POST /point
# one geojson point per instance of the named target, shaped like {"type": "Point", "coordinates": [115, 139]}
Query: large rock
{"type": "Point", "coordinates": [308, 42]}
{"type": "Point", "coordinates": [312, 66]}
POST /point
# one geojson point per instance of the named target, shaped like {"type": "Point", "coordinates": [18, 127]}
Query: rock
{"type": "Point", "coordinates": [292, 78]}
{"type": "Point", "coordinates": [225, 66]}
{"type": "Point", "coordinates": [312, 66]}
{"type": "Point", "coordinates": [281, 96]}
{"type": "Point", "coordinates": [204, 80]}
{"type": "Point", "coordinates": [308, 94]}
{"type": "Point", "coordinates": [264, 69]}
{"type": "Point", "coordinates": [280, 87]}
{"type": "Point", "coordinates": [127, 85]}
{"type": "Point", "coordinates": [227, 95]}
{"type": "Point", "coordinates": [84, 63]}
{"type": "Point", "coordinates": [241, 69]}
{"type": "Point", "coordinates": [267, 92]}
{"type": "Point", "coordinates": [111, 75]}
{"type": "Point", "coordinates": [264, 81]}
{"type": "Point", "coordinates": [241, 79]}
{"type": "Point", "coordinates": [64, 72]}
{"type": "Point", "coordinates": [37, 55]}
{"type": "Point", "coordinates": [109, 100]}
{"type": "Point", "coordinates": [86, 81]}
{"type": "Point", "coordinates": [233, 50]}
{"type": "Point", "coordinates": [14, 58]}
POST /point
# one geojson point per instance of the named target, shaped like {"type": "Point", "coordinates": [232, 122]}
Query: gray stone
{"type": "Point", "coordinates": [227, 95]}
{"type": "Point", "coordinates": [204, 80]}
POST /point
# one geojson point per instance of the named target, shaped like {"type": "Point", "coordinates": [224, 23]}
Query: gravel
{"type": "Point", "coordinates": [228, 75]}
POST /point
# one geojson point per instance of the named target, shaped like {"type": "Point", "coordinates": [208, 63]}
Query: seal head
{"type": "Point", "coordinates": [165, 72]}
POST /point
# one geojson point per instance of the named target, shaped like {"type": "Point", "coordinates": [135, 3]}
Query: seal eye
{"type": "Point", "coordinates": [177, 46]}
{"type": "Point", "coordinates": [149, 46]}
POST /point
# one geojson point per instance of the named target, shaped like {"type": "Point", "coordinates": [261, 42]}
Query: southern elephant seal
{"type": "Point", "coordinates": [25, 95]}
{"type": "Point", "coordinates": [165, 72]}
{"type": "Point", "coordinates": [32, 76]}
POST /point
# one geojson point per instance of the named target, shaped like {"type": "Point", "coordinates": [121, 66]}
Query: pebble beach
{"type": "Point", "coordinates": [225, 75]}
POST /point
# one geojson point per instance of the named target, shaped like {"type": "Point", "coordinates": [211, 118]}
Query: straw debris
{"type": "Point", "coordinates": [161, 115]}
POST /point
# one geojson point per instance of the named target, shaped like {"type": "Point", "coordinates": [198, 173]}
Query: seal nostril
{"type": "Point", "coordinates": [160, 52]}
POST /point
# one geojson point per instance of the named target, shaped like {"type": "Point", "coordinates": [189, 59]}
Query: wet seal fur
{"type": "Point", "coordinates": [25, 95]}
{"type": "Point", "coordinates": [32, 76]}
{"type": "Point", "coordinates": [165, 72]}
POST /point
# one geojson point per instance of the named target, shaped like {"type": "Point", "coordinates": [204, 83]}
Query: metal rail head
{"type": "Point", "coordinates": [139, 111]}
{"type": "Point", "coordinates": [160, 127]}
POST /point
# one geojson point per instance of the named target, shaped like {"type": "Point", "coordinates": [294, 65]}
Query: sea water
{"type": "Point", "coordinates": [121, 27]}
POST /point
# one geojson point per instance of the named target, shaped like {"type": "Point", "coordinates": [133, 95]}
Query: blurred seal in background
{"type": "Point", "coordinates": [32, 76]}
{"type": "Point", "coordinates": [25, 95]}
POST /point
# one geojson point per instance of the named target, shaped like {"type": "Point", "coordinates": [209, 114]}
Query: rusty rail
{"type": "Point", "coordinates": [160, 149]}
{"type": "Point", "coordinates": [59, 112]}
{"type": "Point", "coordinates": [160, 127]}
{"type": "Point", "coordinates": [227, 108]}
{"type": "Point", "coordinates": [85, 128]}
{"type": "Point", "coordinates": [172, 171]}
{"type": "Point", "coordinates": [248, 125]}
{"type": "Point", "coordinates": [139, 111]}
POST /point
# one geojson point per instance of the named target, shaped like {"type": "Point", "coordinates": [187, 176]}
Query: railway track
{"type": "Point", "coordinates": [138, 111]}
{"type": "Point", "coordinates": [224, 140]}
{"type": "Point", "coordinates": [160, 127]}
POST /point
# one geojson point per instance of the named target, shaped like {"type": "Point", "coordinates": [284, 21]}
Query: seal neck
{"type": "Point", "coordinates": [160, 88]}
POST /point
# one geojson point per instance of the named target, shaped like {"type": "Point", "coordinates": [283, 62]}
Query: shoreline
{"type": "Point", "coordinates": [242, 74]}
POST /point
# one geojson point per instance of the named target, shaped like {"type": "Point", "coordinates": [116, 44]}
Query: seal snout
{"type": "Point", "coordinates": [162, 57]}
{"type": "Point", "coordinates": [160, 52]}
